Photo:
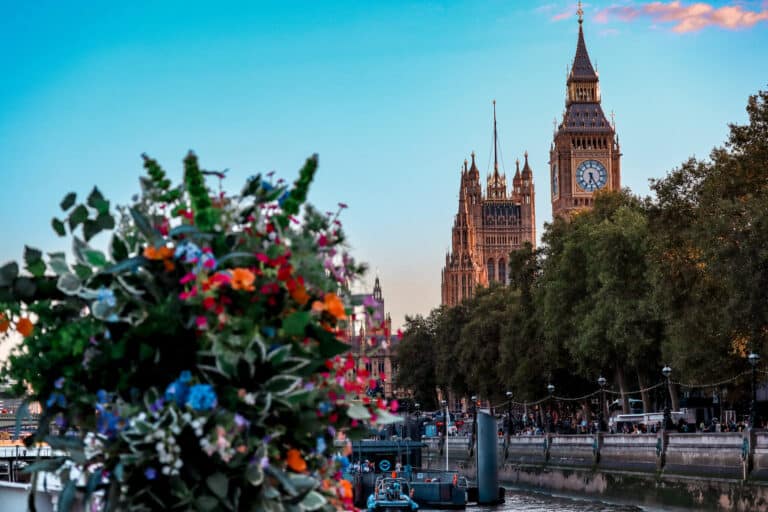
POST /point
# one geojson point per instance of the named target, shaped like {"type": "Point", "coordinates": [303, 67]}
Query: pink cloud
{"type": "Point", "coordinates": [563, 15]}
{"type": "Point", "coordinates": [687, 18]}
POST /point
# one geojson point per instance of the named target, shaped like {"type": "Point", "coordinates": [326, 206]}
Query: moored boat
{"type": "Point", "coordinates": [389, 495]}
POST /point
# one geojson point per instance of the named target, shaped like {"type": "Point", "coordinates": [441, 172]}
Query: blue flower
{"type": "Point", "coordinates": [202, 397]}
{"type": "Point", "coordinates": [101, 396]}
{"type": "Point", "coordinates": [266, 186]}
{"type": "Point", "coordinates": [150, 473]}
{"type": "Point", "coordinates": [185, 377]}
{"type": "Point", "coordinates": [56, 399]}
{"type": "Point", "coordinates": [188, 252]}
{"type": "Point", "coordinates": [59, 383]}
{"type": "Point", "coordinates": [108, 423]}
{"type": "Point", "coordinates": [107, 296]}
{"type": "Point", "coordinates": [283, 197]}
{"type": "Point", "coordinates": [320, 445]}
{"type": "Point", "coordinates": [177, 392]}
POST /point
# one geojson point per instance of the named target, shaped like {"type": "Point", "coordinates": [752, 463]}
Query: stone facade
{"type": "Point", "coordinates": [487, 227]}
{"type": "Point", "coordinates": [585, 157]}
{"type": "Point", "coordinates": [372, 343]}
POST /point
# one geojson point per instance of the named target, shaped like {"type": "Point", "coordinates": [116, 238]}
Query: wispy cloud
{"type": "Point", "coordinates": [609, 32]}
{"type": "Point", "coordinates": [687, 17]}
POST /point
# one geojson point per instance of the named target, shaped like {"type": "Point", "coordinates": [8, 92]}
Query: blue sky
{"type": "Point", "coordinates": [392, 95]}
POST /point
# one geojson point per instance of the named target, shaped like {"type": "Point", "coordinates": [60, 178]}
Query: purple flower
{"type": "Point", "coordinates": [157, 405]}
{"type": "Point", "coordinates": [59, 383]}
{"type": "Point", "coordinates": [264, 462]}
{"type": "Point", "coordinates": [241, 422]}
{"type": "Point", "coordinates": [150, 473]}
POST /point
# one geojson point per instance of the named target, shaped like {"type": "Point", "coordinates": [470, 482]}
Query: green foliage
{"type": "Point", "coordinates": [621, 289]}
{"type": "Point", "coordinates": [194, 361]}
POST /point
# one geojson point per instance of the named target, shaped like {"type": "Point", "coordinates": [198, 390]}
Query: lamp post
{"type": "Point", "coordinates": [551, 390]}
{"type": "Point", "coordinates": [601, 382]}
{"type": "Point", "coordinates": [509, 413]}
{"type": "Point", "coordinates": [667, 371]}
{"type": "Point", "coordinates": [473, 399]}
{"type": "Point", "coordinates": [417, 406]}
{"type": "Point", "coordinates": [754, 358]}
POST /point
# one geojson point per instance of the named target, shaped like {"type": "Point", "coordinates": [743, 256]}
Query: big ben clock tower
{"type": "Point", "coordinates": [585, 156]}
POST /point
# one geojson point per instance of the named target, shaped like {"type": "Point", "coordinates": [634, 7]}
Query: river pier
{"type": "Point", "coordinates": [702, 471]}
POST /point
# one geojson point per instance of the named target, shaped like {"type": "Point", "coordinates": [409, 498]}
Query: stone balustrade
{"type": "Point", "coordinates": [573, 450]}
{"type": "Point", "coordinates": [630, 452]}
{"type": "Point", "coordinates": [721, 454]}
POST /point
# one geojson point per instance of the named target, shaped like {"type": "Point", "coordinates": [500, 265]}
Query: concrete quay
{"type": "Point", "coordinates": [700, 471]}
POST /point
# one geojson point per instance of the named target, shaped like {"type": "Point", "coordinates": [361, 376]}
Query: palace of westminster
{"type": "Point", "coordinates": [584, 158]}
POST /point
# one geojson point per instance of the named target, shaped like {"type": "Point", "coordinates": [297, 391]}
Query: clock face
{"type": "Point", "coordinates": [591, 175]}
{"type": "Point", "coordinates": [555, 188]}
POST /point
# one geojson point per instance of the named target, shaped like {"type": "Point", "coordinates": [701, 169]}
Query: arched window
{"type": "Point", "coordinates": [491, 271]}
{"type": "Point", "coordinates": [502, 272]}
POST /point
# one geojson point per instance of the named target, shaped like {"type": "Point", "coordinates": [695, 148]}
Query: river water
{"type": "Point", "coordinates": [517, 501]}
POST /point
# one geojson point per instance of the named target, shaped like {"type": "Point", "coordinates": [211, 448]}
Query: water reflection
{"type": "Point", "coordinates": [533, 502]}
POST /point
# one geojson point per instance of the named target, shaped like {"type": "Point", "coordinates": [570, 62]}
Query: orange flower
{"type": "Point", "coordinates": [295, 461]}
{"type": "Point", "coordinates": [334, 306]}
{"type": "Point", "coordinates": [25, 327]}
{"type": "Point", "coordinates": [242, 279]}
{"type": "Point", "coordinates": [300, 295]}
{"type": "Point", "coordinates": [158, 253]}
{"type": "Point", "coordinates": [346, 488]}
{"type": "Point", "coordinates": [4, 323]}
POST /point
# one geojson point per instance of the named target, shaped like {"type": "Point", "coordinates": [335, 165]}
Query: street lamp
{"type": "Point", "coordinates": [601, 382]}
{"type": "Point", "coordinates": [551, 390]}
{"type": "Point", "coordinates": [753, 360]}
{"type": "Point", "coordinates": [667, 371]}
{"type": "Point", "coordinates": [446, 414]}
{"type": "Point", "coordinates": [509, 413]}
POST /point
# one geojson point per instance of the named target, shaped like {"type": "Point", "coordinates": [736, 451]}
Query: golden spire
{"type": "Point", "coordinates": [580, 13]}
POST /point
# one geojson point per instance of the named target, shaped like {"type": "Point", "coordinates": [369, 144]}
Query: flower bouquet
{"type": "Point", "coordinates": [196, 361]}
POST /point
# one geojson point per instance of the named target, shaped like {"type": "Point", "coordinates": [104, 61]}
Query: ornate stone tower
{"type": "Point", "coordinates": [585, 156]}
{"type": "Point", "coordinates": [486, 229]}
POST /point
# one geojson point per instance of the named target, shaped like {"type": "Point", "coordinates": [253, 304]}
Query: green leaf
{"type": "Point", "coordinates": [58, 227]}
{"type": "Point", "coordinates": [118, 249]}
{"type": "Point", "coordinates": [82, 271]}
{"type": "Point", "coordinates": [48, 465]}
{"type": "Point", "coordinates": [91, 228]}
{"type": "Point", "coordinates": [303, 483]}
{"type": "Point", "coordinates": [313, 501]}
{"type": "Point", "coordinates": [25, 288]}
{"type": "Point", "coordinates": [206, 503]}
{"type": "Point", "coordinates": [68, 201]}
{"type": "Point", "coordinates": [8, 273]}
{"type": "Point", "coordinates": [282, 384]}
{"type": "Point", "coordinates": [77, 216]}
{"type": "Point", "coordinates": [358, 412]}
{"type": "Point", "coordinates": [294, 324]}
{"type": "Point", "coordinates": [96, 200]}
{"type": "Point", "coordinates": [95, 258]}
{"type": "Point", "coordinates": [254, 474]}
{"type": "Point", "coordinates": [105, 221]}
{"type": "Point", "coordinates": [21, 414]}
{"type": "Point", "coordinates": [69, 284]}
{"type": "Point", "coordinates": [67, 497]}
{"type": "Point", "coordinates": [58, 265]}
{"type": "Point", "coordinates": [129, 264]}
{"type": "Point", "coordinates": [31, 255]}
{"type": "Point", "coordinates": [34, 260]}
{"type": "Point", "coordinates": [146, 229]}
{"type": "Point", "coordinates": [218, 483]}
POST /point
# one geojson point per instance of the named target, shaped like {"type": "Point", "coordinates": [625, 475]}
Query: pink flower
{"type": "Point", "coordinates": [187, 278]}
{"type": "Point", "coordinates": [394, 405]}
{"type": "Point", "coordinates": [188, 295]}
{"type": "Point", "coordinates": [201, 322]}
